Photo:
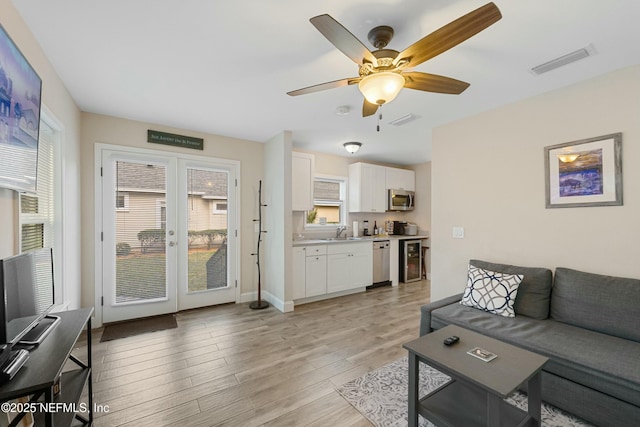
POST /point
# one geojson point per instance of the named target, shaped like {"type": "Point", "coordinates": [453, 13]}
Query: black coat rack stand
{"type": "Point", "coordinates": [259, 304]}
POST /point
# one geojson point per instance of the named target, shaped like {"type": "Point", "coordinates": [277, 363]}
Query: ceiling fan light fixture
{"type": "Point", "coordinates": [380, 88]}
{"type": "Point", "coordinates": [352, 147]}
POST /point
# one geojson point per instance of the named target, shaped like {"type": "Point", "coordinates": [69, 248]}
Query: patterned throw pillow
{"type": "Point", "coordinates": [491, 291]}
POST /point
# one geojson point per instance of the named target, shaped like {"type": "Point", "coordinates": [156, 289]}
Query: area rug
{"type": "Point", "coordinates": [130, 328]}
{"type": "Point", "coordinates": [381, 396]}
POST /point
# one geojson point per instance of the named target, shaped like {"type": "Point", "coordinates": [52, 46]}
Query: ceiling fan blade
{"type": "Point", "coordinates": [325, 86]}
{"type": "Point", "coordinates": [342, 38]}
{"type": "Point", "coordinates": [434, 83]}
{"type": "Point", "coordinates": [450, 35]}
{"type": "Point", "coordinates": [369, 109]}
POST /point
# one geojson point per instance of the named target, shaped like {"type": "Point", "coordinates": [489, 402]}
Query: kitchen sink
{"type": "Point", "coordinates": [333, 239]}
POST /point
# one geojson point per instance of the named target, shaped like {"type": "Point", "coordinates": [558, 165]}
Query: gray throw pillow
{"type": "Point", "coordinates": [534, 292]}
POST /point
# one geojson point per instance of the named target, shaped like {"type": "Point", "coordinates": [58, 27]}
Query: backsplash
{"type": "Point", "coordinates": [299, 219]}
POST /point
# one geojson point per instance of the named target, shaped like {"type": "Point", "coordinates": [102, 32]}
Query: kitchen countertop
{"type": "Point", "coordinates": [331, 241]}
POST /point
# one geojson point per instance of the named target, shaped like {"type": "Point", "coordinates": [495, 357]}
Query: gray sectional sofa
{"type": "Point", "coordinates": [588, 325]}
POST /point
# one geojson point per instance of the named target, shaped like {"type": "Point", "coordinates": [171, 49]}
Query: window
{"type": "Point", "coordinates": [329, 194]}
{"type": "Point", "coordinates": [39, 213]}
{"type": "Point", "coordinates": [161, 214]}
{"type": "Point", "coordinates": [122, 201]}
{"type": "Point", "coordinates": [32, 237]}
{"type": "Point", "coordinates": [37, 222]}
{"type": "Point", "coordinates": [220, 207]}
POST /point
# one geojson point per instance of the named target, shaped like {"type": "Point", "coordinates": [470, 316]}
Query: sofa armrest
{"type": "Point", "coordinates": [425, 311]}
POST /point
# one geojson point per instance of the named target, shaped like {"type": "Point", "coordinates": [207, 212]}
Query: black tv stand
{"type": "Point", "coordinates": [44, 370]}
{"type": "Point", "coordinates": [17, 359]}
{"type": "Point", "coordinates": [39, 332]}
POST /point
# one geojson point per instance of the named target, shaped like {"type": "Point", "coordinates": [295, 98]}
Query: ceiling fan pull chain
{"type": "Point", "coordinates": [379, 118]}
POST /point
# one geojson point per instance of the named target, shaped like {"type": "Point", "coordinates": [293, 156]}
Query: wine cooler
{"type": "Point", "coordinates": [410, 260]}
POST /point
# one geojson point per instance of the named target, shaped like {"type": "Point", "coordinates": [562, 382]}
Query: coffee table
{"type": "Point", "coordinates": [475, 395]}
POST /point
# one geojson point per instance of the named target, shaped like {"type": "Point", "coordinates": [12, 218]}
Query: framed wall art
{"type": "Point", "coordinates": [20, 93]}
{"type": "Point", "coordinates": [583, 173]}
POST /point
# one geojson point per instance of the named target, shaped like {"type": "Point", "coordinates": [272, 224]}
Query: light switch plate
{"type": "Point", "coordinates": [458, 232]}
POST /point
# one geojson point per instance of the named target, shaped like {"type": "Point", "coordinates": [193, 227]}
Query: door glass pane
{"type": "Point", "coordinates": [207, 229]}
{"type": "Point", "coordinates": [140, 232]}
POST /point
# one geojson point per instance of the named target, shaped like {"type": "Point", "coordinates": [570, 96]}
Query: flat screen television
{"type": "Point", "coordinates": [26, 281]}
{"type": "Point", "coordinates": [20, 93]}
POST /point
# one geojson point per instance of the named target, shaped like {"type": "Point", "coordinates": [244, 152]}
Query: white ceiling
{"type": "Point", "coordinates": [224, 67]}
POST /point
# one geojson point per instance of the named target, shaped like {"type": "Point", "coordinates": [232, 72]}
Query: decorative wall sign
{"type": "Point", "coordinates": [584, 173]}
{"type": "Point", "coordinates": [183, 141]}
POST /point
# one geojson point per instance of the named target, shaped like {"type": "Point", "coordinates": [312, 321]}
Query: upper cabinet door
{"type": "Point", "coordinates": [367, 191]}
{"type": "Point", "coordinates": [302, 170]}
{"type": "Point", "coordinates": [400, 179]}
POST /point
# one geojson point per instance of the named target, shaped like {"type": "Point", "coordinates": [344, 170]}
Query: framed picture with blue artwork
{"type": "Point", "coordinates": [584, 173]}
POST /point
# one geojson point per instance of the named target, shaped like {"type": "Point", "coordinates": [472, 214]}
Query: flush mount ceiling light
{"type": "Point", "coordinates": [352, 146]}
{"type": "Point", "coordinates": [381, 88]}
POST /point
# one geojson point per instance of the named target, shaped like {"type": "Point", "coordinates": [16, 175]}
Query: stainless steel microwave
{"type": "Point", "coordinates": [400, 200]}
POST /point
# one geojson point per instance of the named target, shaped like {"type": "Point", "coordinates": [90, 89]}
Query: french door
{"type": "Point", "coordinates": [169, 233]}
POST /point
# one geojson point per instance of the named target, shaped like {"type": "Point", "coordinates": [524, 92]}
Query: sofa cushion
{"type": "Point", "coordinates": [534, 291]}
{"type": "Point", "coordinates": [595, 360]}
{"type": "Point", "coordinates": [597, 302]}
{"type": "Point", "coordinates": [491, 291]}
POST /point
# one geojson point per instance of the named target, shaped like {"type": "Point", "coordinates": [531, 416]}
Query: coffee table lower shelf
{"type": "Point", "coordinates": [456, 404]}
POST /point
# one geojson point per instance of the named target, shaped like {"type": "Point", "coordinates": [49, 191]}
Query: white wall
{"type": "Point", "coordinates": [276, 192]}
{"type": "Point", "coordinates": [58, 101]}
{"type": "Point", "coordinates": [488, 177]}
{"type": "Point", "coordinates": [110, 130]}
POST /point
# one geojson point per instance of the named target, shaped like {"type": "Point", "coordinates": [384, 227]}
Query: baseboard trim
{"type": "Point", "coordinates": [283, 306]}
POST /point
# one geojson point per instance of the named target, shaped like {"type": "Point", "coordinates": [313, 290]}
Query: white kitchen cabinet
{"type": "Point", "coordinates": [325, 269]}
{"type": "Point", "coordinates": [309, 271]}
{"type": "Point", "coordinates": [299, 268]}
{"type": "Point", "coordinates": [302, 170]}
{"type": "Point", "coordinates": [349, 266]}
{"type": "Point", "coordinates": [400, 179]}
{"type": "Point", "coordinates": [338, 277]}
{"type": "Point", "coordinates": [367, 191]}
{"type": "Point", "coordinates": [316, 250]}
{"type": "Point", "coordinates": [315, 275]}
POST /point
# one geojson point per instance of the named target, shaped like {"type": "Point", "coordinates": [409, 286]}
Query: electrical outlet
{"type": "Point", "coordinates": [458, 232]}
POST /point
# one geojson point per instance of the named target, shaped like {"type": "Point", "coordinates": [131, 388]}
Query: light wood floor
{"type": "Point", "coordinates": [232, 366]}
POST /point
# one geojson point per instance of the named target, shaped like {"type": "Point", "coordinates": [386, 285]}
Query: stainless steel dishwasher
{"type": "Point", "coordinates": [381, 274]}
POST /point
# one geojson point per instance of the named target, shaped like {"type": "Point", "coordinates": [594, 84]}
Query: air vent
{"type": "Point", "coordinates": [403, 120]}
{"type": "Point", "coordinates": [563, 60]}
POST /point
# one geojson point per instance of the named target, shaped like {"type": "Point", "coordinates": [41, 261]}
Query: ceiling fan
{"type": "Point", "coordinates": [384, 72]}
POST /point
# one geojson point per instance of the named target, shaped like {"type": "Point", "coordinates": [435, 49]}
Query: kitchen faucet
{"type": "Point", "coordinates": [339, 230]}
